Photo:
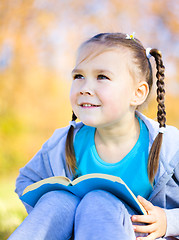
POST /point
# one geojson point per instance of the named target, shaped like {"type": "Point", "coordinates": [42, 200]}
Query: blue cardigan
{"type": "Point", "coordinates": [50, 161]}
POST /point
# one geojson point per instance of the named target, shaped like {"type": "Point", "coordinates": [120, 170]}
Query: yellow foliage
{"type": "Point", "coordinates": [38, 40]}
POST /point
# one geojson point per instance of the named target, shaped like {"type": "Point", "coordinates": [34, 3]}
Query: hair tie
{"type": "Point", "coordinates": [130, 36]}
{"type": "Point", "coordinates": [162, 129]}
{"type": "Point", "coordinates": [148, 52]}
{"type": "Point", "coordinates": [73, 123]}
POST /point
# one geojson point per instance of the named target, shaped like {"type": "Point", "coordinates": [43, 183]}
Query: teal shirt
{"type": "Point", "coordinates": [132, 169]}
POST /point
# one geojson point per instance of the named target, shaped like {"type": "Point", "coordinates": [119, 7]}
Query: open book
{"type": "Point", "coordinates": [82, 185]}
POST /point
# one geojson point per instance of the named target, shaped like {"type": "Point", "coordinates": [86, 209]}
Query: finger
{"type": "Point", "coordinates": [143, 218]}
{"type": "Point", "coordinates": [151, 236]}
{"type": "Point", "coordinates": [144, 228]}
{"type": "Point", "coordinates": [146, 204]}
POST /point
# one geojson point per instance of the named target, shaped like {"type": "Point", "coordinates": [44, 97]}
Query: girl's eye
{"type": "Point", "coordinates": [78, 76]}
{"type": "Point", "coordinates": [102, 77]}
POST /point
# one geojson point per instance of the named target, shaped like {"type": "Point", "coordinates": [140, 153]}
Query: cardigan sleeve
{"type": "Point", "coordinates": [35, 170]}
{"type": "Point", "coordinates": [172, 222]}
{"type": "Point", "coordinates": [49, 161]}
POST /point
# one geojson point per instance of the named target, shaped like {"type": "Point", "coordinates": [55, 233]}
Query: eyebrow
{"type": "Point", "coordinates": [76, 70]}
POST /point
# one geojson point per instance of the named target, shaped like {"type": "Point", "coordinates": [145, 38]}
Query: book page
{"type": "Point", "coordinates": [59, 179]}
{"type": "Point", "coordinates": [98, 175]}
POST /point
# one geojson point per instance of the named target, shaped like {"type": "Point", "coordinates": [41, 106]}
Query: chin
{"type": "Point", "coordinates": [90, 123]}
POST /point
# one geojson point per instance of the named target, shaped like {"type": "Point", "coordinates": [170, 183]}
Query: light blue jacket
{"type": "Point", "coordinates": [50, 161]}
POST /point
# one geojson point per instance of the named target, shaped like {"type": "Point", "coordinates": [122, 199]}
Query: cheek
{"type": "Point", "coordinates": [72, 95]}
{"type": "Point", "coordinates": [116, 99]}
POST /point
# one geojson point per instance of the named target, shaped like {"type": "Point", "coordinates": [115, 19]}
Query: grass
{"type": "Point", "coordinates": [12, 211]}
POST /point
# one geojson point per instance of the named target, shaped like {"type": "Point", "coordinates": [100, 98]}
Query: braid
{"type": "Point", "coordinates": [153, 161]}
{"type": "Point", "coordinates": [161, 114]}
{"type": "Point", "coordinates": [69, 149]}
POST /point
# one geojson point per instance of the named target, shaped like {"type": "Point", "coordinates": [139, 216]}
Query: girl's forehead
{"type": "Point", "coordinates": [88, 52]}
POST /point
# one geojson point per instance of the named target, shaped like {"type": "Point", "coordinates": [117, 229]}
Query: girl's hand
{"type": "Point", "coordinates": [155, 219]}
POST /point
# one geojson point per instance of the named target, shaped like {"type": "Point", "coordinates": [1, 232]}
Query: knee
{"type": "Point", "coordinates": [100, 198]}
{"type": "Point", "coordinates": [100, 202]}
{"type": "Point", "coordinates": [95, 198]}
{"type": "Point", "coordinates": [56, 199]}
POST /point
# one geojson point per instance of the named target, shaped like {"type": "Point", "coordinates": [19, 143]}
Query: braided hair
{"type": "Point", "coordinates": [140, 67]}
{"type": "Point", "coordinates": [153, 160]}
{"type": "Point", "coordinates": [69, 149]}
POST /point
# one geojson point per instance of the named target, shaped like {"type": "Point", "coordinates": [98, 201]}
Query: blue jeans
{"type": "Point", "coordinates": [59, 214]}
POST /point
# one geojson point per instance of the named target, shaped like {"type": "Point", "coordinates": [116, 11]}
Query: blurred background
{"type": "Point", "coordinates": [38, 43]}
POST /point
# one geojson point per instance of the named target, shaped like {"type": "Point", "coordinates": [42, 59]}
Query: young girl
{"type": "Point", "coordinates": [111, 79]}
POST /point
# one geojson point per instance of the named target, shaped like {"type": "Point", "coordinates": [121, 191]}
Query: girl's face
{"type": "Point", "coordinates": [103, 89]}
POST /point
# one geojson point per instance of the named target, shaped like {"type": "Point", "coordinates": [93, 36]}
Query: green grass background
{"type": "Point", "coordinates": [12, 211]}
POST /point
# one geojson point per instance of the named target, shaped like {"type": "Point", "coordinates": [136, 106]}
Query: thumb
{"type": "Point", "coordinates": [146, 204]}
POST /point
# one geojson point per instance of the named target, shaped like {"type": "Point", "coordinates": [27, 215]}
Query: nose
{"type": "Point", "coordinates": [87, 89]}
{"type": "Point", "coordinates": [86, 92]}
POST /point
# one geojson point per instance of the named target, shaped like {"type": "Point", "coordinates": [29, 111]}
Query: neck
{"type": "Point", "coordinates": [113, 143]}
{"type": "Point", "coordinates": [117, 134]}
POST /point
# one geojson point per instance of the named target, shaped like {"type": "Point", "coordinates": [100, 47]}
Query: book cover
{"type": "Point", "coordinates": [81, 186]}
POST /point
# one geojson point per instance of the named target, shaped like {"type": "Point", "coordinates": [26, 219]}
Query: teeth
{"type": "Point", "coordinates": [87, 105]}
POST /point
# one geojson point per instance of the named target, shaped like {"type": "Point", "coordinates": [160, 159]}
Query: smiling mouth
{"type": "Point", "coordinates": [88, 105]}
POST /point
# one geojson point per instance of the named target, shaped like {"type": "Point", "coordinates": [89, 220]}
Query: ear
{"type": "Point", "coordinates": [140, 93]}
